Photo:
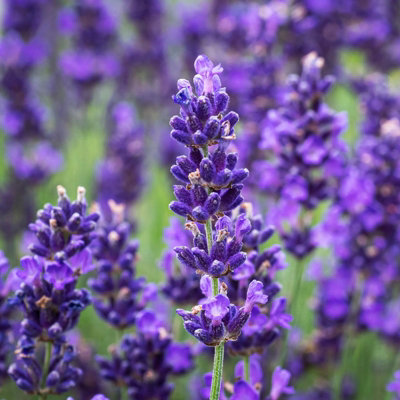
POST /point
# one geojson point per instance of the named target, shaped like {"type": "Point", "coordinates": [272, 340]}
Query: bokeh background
{"type": "Point", "coordinates": [136, 56]}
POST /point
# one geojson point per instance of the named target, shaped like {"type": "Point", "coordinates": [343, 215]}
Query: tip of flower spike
{"type": "Point", "coordinates": [312, 60]}
{"type": "Point", "coordinates": [61, 191]}
{"type": "Point", "coordinates": [80, 196]}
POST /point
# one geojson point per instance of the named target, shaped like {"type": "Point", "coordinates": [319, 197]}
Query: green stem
{"type": "Point", "coordinates": [293, 307]}
{"type": "Point", "coordinates": [209, 234]}
{"type": "Point", "coordinates": [217, 372]}
{"type": "Point", "coordinates": [219, 350]}
{"type": "Point", "coordinates": [247, 368]}
{"type": "Point", "coordinates": [46, 365]}
{"type": "Point", "coordinates": [215, 286]}
{"type": "Point", "coordinates": [297, 286]}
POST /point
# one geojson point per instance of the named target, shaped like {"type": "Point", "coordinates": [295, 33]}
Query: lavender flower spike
{"type": "Point", "coordinates": [48, 298]}
{"type": "Point", "coordinates": [217, 320]}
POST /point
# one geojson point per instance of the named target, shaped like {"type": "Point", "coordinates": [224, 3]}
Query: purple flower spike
{"type": "Point", "coordinates": [308, 160]}
{"type": "Point", "coordinates": [254, 295]}
{"type": "Point", "coordinates": [149, 354]}
{"type": "Point", "coordinates": [214, 181]}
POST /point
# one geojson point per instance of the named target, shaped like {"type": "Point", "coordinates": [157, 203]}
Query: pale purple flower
{"type": "Point", "coordinates": [280, 383]}
{"type": "Point", "coordinates": [255, 295]}
{"type": "Point", "coordinates": [216, 308]}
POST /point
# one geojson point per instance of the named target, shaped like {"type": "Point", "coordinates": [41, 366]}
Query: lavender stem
{"type": "Point", "coordinates": [246, 361]}
{"type": "Point", "coordinates": [219, 350]}
{"type": "Point", "coordinates": [217, 371]}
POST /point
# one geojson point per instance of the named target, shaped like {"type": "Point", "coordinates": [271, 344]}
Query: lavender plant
{"type": "Point", "coordinates": [48, 298]}
{"type": "Point", "coordinates": [212, 192]}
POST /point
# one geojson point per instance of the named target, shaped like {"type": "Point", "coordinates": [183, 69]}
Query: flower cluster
{"type": "Point", "coordinates": [120, 295]}
{"type": "Point", "coordinates": [213, 181]}
{"type": "Point", "coordinates": [224, 257]}
{"type": "Point", "coordinates": [48, 298]}
{"type": "Point", "coordinates": [264, 324]}
{"type": "Point", "coordinates": [304, 136]}
{"type": "Point", "coordinates": [182, 284]}
{"type": "Point", "coordinates": [226, 243]}
{"type": "Point", "coordinates": [144, 362]}
{"type": "Point", "coordinates": [120, 174]}
{"type": "Point", "coordinates": [93, 33]}
{"type": "Point", "coordinates": [217, 320]}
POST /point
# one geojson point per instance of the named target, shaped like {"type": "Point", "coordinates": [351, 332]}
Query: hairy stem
{"type": "Point", "coordinates": [217, 372]}
{"type": "Point", "coordinates": [219, 350]}
{"type": "Point", "coordinates": [209, 235]}
{"type": "Point", "coordinates": [297, 286]}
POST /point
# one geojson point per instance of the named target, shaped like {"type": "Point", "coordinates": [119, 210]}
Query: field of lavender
{"type": "Point", "coordinates": [200, 199]}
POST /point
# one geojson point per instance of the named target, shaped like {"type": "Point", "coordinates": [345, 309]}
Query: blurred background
{"type": "Point", "coordinates": [86, 89]}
